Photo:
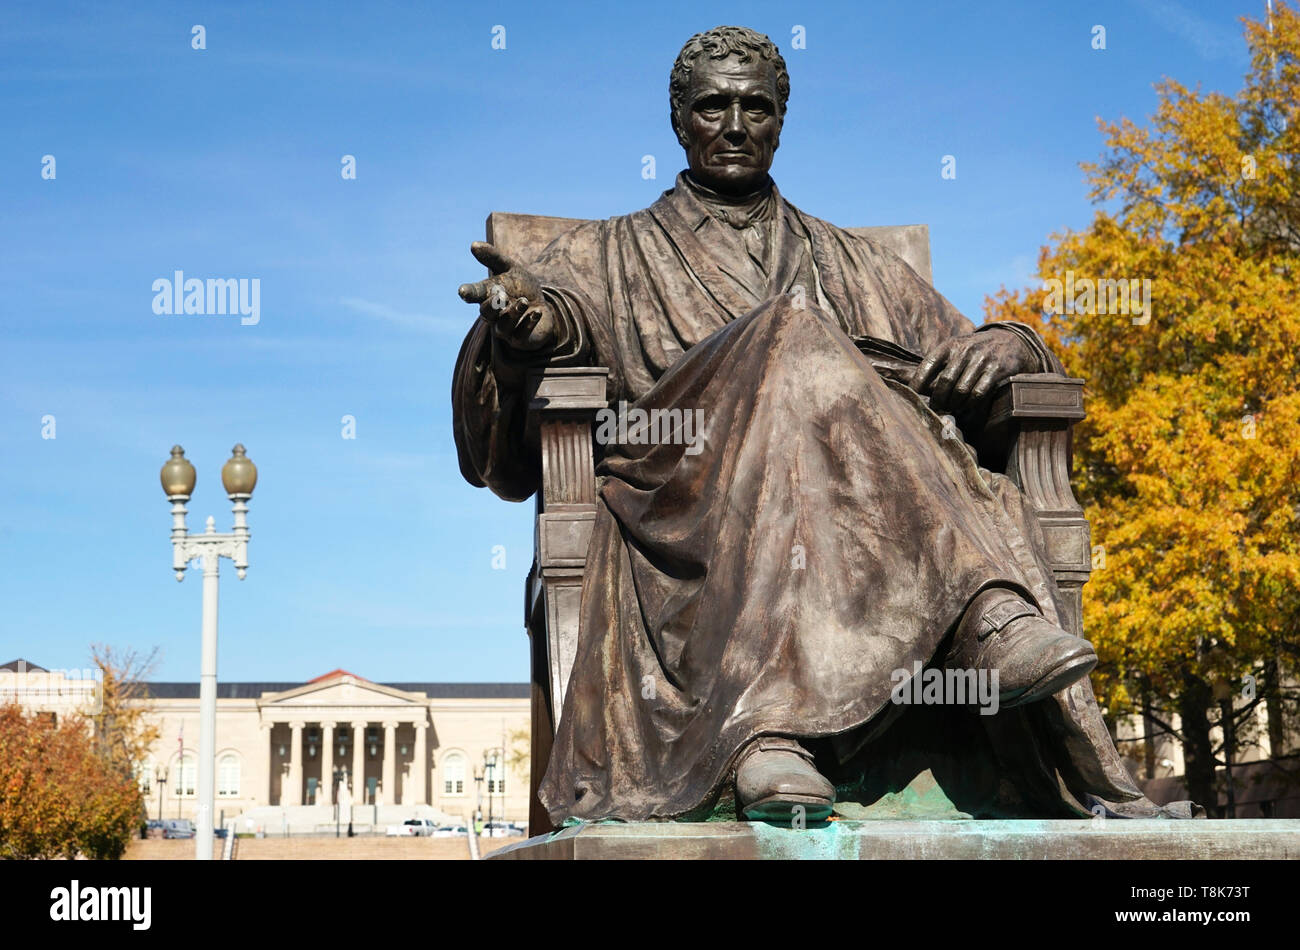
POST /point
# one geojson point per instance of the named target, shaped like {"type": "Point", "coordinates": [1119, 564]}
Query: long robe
{"type": "Point", "coordinates": [826, 530]}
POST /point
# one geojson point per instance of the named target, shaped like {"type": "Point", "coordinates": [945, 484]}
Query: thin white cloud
{"type": "Point", "coordinates": [415, 322]}
{"type": "Point", "coordinates": [1210, 40]}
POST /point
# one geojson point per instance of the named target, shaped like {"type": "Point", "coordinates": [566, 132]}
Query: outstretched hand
{"type": "Point", "coordinates": [964, 370]}
{"type": "Point", "coordinates": [510, 300]}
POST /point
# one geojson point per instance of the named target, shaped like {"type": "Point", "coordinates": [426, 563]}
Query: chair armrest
{"type": "Point", "coordinates": [561, 413]}
{"type": "Point", "coordinates": [1027, 435]}
{"type": "Point", "coordinates": [562, 406]}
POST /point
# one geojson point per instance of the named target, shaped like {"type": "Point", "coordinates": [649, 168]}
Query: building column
{"type": "Point", "coordinates": [420, 767]}
{"type": "Point", "coordinates": [359, 764]}
{"type": "Point", "coordinates": [325, 795]}
{"type": "Point", "coordinates": [295, 765]}
{"type": "Point", "coordinates": [389, 773]}
{"type": "Point", "coordinates": [268, 759]}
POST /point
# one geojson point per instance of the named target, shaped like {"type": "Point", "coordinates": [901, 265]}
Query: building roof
{"type": "Point", "coordinates": [20, 665]}
{"type": "Point", "coordinates": [334, 674]}
{"type": "Point", "coordinates": [255, 690]}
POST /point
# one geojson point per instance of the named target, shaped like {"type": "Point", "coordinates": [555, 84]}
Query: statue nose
{"type": "Point", "coordinates": [734, 130]}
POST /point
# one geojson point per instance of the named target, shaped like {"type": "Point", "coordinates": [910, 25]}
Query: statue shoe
{"type": "Point", "coordinates": [1033, 657]}
{"type": "Point", "coordinates": [775, 778]}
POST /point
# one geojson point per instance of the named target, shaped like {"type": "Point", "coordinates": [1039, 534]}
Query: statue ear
{"type": "Point", "coordinates": [682, 139]}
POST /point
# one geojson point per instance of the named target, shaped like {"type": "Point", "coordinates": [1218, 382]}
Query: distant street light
{"type": "Point", "coordinates": [238, 476]}
{"type": "Point", "coordinates": [493, 762]}
{"type": "Point", "coordinates": [161, 772]}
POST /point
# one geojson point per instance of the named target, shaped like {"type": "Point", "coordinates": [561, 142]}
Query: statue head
{"type": "Point", "coordinates": [727, 97]}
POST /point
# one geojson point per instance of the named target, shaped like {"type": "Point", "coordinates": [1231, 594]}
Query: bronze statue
{"type": "Point", "coordinates": [757, 588]}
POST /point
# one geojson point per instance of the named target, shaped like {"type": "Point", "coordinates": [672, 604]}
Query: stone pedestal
{"type": "Point", "coordinates": [1102, 838]}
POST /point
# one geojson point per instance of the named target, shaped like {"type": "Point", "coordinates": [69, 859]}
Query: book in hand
{"type": "Point", "coordinates": [888, 358]}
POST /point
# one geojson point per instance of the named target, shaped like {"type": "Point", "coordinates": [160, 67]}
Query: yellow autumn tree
{"type": "Point", "coordinates": [1188, 464]}
{"type": "Point", "coordinates": [124, 730]}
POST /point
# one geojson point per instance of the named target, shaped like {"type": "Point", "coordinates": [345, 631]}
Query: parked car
{"type": "Point", "coordinates": [501, 829]}
{"type": "Point", "coordinates": [178, 828]}
{"type": "Point", "coordinates": [450, 831]}
{"type": "Point", "coordinates": [412, 828]}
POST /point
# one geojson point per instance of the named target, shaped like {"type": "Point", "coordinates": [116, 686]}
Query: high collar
{"type": "Point", "coordinates": [738, 211]}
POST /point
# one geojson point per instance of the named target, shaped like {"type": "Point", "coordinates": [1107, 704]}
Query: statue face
{"type": "Point", "coordinates": [731, 127]}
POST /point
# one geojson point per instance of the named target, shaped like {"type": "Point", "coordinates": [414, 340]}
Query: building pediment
{"type": "Point", "coordinates": [345, 692]}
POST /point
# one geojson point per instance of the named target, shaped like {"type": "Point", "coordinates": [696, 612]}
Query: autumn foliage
{"type": "Point", "coordinates": [1188, 464]}
{"type": "Point", "coordinates": [67, 787]}
{"type": "Point", "coordinates": [58, 797]}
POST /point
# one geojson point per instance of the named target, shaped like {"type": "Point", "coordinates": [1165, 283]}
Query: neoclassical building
{"type": "Point", "coordinates": [287, 753]}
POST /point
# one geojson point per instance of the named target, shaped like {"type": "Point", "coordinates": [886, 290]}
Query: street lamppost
{"type": "Point", "coordinates": [162, 781]}
{"type": "Point", "coordinates": [478, 798]}
{"type": "Point", "coordinates": [493, 760]}
{"type": "Point", "coordinates": [238, 476]}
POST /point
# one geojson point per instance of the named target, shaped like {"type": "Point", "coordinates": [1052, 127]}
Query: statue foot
{"type": "Point", "coordinates": [1033, 657]}
{"type": "Point", "coordinates": [775, 778]}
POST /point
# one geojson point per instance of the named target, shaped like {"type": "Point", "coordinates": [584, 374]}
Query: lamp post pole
{"type": "Point", "coordinates": [493, 783]}
{"type": "Point", "coordinates": [162, 784]}
{"type": "Point", "coordinates": [493, 775]}
{"type": "Point", "coordinates": [238, 476]}
{"type": "Point", "coordinates": [478, 798]}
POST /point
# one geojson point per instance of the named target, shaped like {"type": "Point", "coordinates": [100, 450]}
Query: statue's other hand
{"type": "Point", "coordinates": [964, 370]}
{"type": "Point", "coordinates": [510, 300]}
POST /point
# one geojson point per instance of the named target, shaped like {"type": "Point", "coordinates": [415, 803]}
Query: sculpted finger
{"type": "Point", "coordinates": [923, 376]}
{"type": "Point", "coordinates": [509, 316]}
{"type": "Point", "coordinates": [476, 292]}
{"type": "Point", "coordinates": [975, 366]}
{"type": "Point", "coordinates": [517, 331]}
{"type": "Point", "coordinates": [488, 255]}
{"type": "Point", "coordinates": [941, 391]}
{"type": "Point", "coordinates": [523, 337]}
{"type": "Point", "coordinates": [984, 388]}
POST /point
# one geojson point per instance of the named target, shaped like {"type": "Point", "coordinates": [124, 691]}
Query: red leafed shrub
{"type": "Point", "coordinates": [58, 797]}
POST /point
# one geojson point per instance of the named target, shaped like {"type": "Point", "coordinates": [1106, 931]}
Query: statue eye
{"type": "Point", "coordinates": [711, 107]}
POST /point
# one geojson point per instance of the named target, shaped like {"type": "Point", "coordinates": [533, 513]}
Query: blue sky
{"type": "Point", "coordinates": [372, 554]}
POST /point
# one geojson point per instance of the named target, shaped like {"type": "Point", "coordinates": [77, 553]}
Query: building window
{"type": "Point", "coordinates": [187, 778]}
{"type": "Point", "coordinates": [228, 776]}
{"type": "Point", "coordinates": [143, 772]}
{"type": "Point", "coordinates": [453, 774]}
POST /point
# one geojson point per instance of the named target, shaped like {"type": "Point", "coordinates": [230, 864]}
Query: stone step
{"type": "Point", "coordinates": [1099, 838]}
{"type": "Point", "coordinates": [304, 848]}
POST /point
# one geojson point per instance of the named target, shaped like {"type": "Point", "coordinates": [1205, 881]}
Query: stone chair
{"type": "Point", "coordinates": [1027, 437]}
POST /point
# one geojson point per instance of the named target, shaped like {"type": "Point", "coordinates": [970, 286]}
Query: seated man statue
{"type": "Point", "coordinates": [754, 598]}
